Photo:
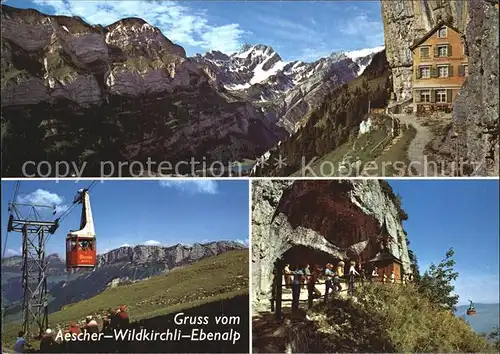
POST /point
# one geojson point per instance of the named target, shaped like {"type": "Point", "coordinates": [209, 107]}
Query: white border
{"type": "Point", "coordinates": [250, 313]}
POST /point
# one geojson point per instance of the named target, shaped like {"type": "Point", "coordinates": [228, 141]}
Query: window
{"type": "Point", "coordinates": [466, 70]}
{"type": "Point", "coordinates": [442, 51]}
{"type": "Point", "coordinates": [443, 71]}
{"type": "Point", "coordinates": [425, 72]}
{"type": "Point", "coordinates": [425, 96]}
{"type": "Point", "coordinates": [442, 32]}
{"type": "Point", "coordinates": [424, 52]}
{"type": "Point", "coordinates": [441, 96]}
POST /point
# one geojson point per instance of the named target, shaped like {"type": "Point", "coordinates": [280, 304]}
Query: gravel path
{"type": "Point", "coordinates": [417, 146]}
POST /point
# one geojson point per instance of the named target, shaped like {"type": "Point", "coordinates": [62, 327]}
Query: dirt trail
{"type": "Point", "coordinates": [417, 146]}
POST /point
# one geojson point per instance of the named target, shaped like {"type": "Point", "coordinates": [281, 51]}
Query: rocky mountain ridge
{"type": "Point", "coordinates": [122, 265]}
{"type": "Point", "coordinates": [286, 91]}
{"type": "Point", "coordinates": [79, 90]}
{"type": "Point", "coordinates": [339, 219]}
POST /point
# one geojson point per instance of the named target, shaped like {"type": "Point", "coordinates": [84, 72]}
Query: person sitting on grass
{"type": "Point", "coordinates": [124, 320]}
{"type": "Point", "coordinates": [47, 342]}
{"type": "Point", "coordinates": [21, 344]}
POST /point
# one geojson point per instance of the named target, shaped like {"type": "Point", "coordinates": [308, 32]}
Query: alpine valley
{"type": "Point", "coordinates": [118, 267]}
{"type": "Point", "coordinates": [85, 93]}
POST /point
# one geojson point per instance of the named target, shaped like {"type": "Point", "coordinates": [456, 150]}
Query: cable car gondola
{"type": "Point", "coordinates": [471, 311]}
{"type": "Point", "coordinates": [81, 244]}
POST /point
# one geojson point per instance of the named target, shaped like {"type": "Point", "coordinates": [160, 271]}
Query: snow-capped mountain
{"type": "Point", "coordinates": [285, 91]}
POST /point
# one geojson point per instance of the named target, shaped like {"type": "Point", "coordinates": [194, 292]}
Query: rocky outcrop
{"type": "Point", "coordinates": [118, 266]}
{"type": "Point", "coordinates": [171, 256]}
{"type": "Point", "coordinates": [337, 219]}
{"type": "Point", "coordinates": [475, 111]}
{"type": "Point", "coordinates": [406, 22]}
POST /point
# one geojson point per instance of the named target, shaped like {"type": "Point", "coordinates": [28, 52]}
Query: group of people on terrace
{"type": "Point", "coordinates": [310, 275]}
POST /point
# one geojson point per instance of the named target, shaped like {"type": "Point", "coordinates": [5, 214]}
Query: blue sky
{"type": "Point", "coordinates": [146, 212]}
{"type": "Point", "coordinates": [462, 214]}
{"type": "Point", "coordinates": [297, 30]}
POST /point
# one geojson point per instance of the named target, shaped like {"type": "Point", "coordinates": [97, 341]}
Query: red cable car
{"type": "Point", "coordinates": [81, 244]}
{"type": "Point", "coordinates": [471, 311]}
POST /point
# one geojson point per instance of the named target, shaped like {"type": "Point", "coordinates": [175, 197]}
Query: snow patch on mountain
{"type": "Point", "coordinates": [356, 54]}
{"type": "Point", "coordinates": [284, 91]}
{"type": "Point", "coordinates": [363, 57]}
{"type": "Point", "coordinates": [261, 75]}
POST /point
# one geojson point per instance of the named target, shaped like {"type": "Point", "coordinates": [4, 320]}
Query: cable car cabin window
{"type": "Point", "coordinates": [85, 245]}
{"type": "Point", "coordinates": [73, 245]}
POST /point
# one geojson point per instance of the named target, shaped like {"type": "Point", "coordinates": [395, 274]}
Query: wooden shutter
{"type": "Point", "coordinates": [434, 72]}
{"type": "Point", "coordinates": [416, 96]}
{"type": "Point", "coordinates": [436, 52]}
{"type": "Point", "coordinates": [450, 70]}
{"type": "Point", "coordinates": [449, 94]}
{"type": "Point", "coordinates": [450, 52]}
{"type": "Point", "coordinates": [461, 70]}
{"type": "Point", "coordinates": [433, 96]}
{"type": "Point", "coordinates": [419, 73]}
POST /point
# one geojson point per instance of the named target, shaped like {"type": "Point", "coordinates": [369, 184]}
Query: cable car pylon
{"type": "Point", "coordinates": [35, 232]}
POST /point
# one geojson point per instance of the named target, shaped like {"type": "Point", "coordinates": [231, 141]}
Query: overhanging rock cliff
{"type": "Point", "coordinates": [475, 112]}
{"type": "Point", "coordinates": [340, 218]}
{"type": "Point", "coordinates": [405, 22]}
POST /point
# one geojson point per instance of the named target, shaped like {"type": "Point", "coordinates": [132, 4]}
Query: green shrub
{"type": "Point", "coordinates": [392, 318]}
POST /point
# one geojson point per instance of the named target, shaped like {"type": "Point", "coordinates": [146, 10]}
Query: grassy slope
{"type": "Point", "coordinates": [367, 148]}
{"type": "Point", "coordinates": [391, 318]}
{"type": "Point", "coordinates": [212, 279]}
{"type": "Point", "coordinates": [331, 126]}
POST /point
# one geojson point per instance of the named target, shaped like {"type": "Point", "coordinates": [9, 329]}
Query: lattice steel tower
{"type": "Point", "coordinates": [35, 232]}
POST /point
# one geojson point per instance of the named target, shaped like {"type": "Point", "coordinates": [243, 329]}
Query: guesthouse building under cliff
{"type": "Point", "coordinates": [440, 67]}
{"type": "Point", "coordinates": [387, 263]}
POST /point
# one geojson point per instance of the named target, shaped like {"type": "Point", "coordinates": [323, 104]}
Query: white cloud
{"type": "Point", "coordinates": [362, 28]}
{"type": "Point", "coordinates": [178, 23]}
{"type": "Point", "coordinates": [313, 42]}
{"type": "Point", "coordinates": [44, 197]}
{"type": "Point", "coordinates": [125, 245]}
{"type": "Point", "coordinates": [10, 252]}
{"type": "Point", "coordinates": [231, 35]}
{"type": "Point", "coordinates": [152, 243]}
{"type": "Point", "coordinates": [243, 242]}
{"type": "Point", "coordinates": [192, 186]}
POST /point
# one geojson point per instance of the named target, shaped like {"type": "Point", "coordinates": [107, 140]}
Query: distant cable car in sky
{"type": "Point", "coordinates": [81, 244]}
{"type": "Point", "coordinates": [471, 311]}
